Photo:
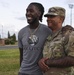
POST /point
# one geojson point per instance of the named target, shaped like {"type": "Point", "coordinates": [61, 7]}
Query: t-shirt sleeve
{"type": "Point", "coordinates": [19, 41]}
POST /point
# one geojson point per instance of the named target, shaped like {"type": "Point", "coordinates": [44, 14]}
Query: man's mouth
{"type": "Point", "coordinates": [29, 18]}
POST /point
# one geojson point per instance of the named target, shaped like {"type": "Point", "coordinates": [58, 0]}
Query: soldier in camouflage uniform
{"type": "Point", "coordinates": [59, 47]}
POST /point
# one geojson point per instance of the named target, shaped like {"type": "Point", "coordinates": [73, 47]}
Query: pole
{"type": "Point", "coordinates": [71, 18]}
{"type": "Point", "coordinates": [2, 31]}
{"type": "Point", "coordinates": [71, 7]}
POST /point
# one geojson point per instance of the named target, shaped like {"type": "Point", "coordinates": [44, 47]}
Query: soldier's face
{"type": "Point", "coordinates": [53, 21]}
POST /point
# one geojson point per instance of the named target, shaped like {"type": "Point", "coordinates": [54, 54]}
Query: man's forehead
{"type": "Point", "coordinates": [31, 6]}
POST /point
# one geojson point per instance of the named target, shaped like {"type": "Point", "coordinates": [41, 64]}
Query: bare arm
{"type": "Point", "coordinates": [61, 62]}
{"type": "Point", "coordinates": [21, 55]}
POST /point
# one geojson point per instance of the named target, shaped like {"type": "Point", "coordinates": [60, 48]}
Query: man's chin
{"type": "Point", "coordinates": [29, 21]}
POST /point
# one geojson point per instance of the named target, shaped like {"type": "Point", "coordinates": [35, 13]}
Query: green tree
{"type": "Point", "coordinates": [13, 37]}
{"type": "Point", "coordinates": [9, 34]}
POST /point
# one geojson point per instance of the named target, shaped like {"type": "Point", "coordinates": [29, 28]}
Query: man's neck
{"type": "Point", "coordinates": [56, 29]}
{"type": "Point", "coordinates": [34, 26]}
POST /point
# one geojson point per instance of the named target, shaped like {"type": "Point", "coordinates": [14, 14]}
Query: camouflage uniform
{"type": "Point", "coordinates": [58, 45]}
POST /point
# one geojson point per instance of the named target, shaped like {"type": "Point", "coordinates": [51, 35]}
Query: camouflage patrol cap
{"type": "Point", "coordinates": [57, 11]}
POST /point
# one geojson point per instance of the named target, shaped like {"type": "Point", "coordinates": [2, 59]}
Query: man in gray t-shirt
{"type": "Point", "coordinates": [31, 40]}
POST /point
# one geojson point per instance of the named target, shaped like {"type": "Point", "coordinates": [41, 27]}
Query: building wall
{"type": "Point", "coordinates": [2, 42]}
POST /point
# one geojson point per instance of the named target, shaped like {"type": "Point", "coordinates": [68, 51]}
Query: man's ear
{"type": "Point", "coordinates": [61, 19]}
{"type": "Point", "coordinates": [39, 13]}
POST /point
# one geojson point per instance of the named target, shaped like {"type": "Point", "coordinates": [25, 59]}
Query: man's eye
{"type": "Point", "coordinates": [31, 10]}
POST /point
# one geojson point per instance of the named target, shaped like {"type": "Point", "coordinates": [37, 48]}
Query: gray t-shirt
{"type": "Point", "coordinates": [32, 48]}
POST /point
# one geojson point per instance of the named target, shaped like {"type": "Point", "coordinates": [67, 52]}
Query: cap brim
{"type": "Point", "coordinates": [48, 14]}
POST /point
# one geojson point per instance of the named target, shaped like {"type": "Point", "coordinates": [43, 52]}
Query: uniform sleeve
{"type": "Point", "coordinates": [46, 49]}
{"type": "Point", "coordinates": [70, 46]}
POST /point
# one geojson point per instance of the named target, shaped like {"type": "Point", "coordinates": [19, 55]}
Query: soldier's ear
{"type": "Point", "coordinates": [61, 19]}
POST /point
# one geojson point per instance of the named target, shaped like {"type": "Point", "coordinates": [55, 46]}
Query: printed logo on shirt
{"type": "Point", "coordinates": [33, 40]}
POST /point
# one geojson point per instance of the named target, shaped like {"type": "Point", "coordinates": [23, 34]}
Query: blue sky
{"type": "Point", "coordinates": [12, 13]}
